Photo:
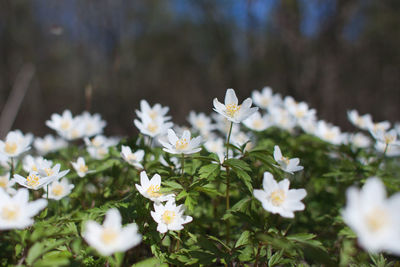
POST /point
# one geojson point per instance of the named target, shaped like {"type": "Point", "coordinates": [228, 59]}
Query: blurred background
{"type": "Point", "coordinates": [334, 54]}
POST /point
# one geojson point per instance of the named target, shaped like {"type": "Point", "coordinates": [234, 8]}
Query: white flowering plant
{"type": "Point", "coordinates": [217, 194]}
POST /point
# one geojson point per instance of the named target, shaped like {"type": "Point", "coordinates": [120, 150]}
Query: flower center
{"type": "Point", "coordinates": [231, 109]}
{"type": "Point", "coordinates": [131, 157]}
{"type": "Point", "coordinates": [153, 114]}
{"type": "Point", "coordinates": [285, 160]}
{"type": "Point", "coordinates": [153, 191]}
{"type": "Point", "coordinates": [65, 124]}
{"type": "Point", "coordinates": [329, 135]}
{"type": "Point", "coordinates": [49, 172]}
{"type": "Point", "coordinates": [300, 113]}
{"type": "Point", "coordinates": [10, 147]}
{"type": "Point", "coordinates": [258, 124]}
{"type": "Point", "coordinates": [152, 127]}
{"type": "Point", "coordinates": [200, 124]}
{"type": "Point", "coordinates": [168, 216]}
{"type": "Point", "coordinates": [277, 197]}
{"type": "Point", "coordinates": [181, 144]}
{"type": "Point", "coordinates": [376, 219]}
{"type": "Point", "coordinates": [109, 235]}
{"type": "Point", "coordinates": [57, 190]}
{"type": "Point", "coordinates": [32, 180]}
{"type": "Point", "coordinates": [389, 138]}
{"type": "Point", "coordinates": [265, 101]}
{"type": "Point", "coordinates": [10, 213]}
{"type": "Point", "coordinates": [83, 168]}
{"type": "Point", "coordinates": [3, 182]}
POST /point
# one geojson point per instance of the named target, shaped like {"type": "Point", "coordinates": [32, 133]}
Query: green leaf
{"type": "Point", "coordinates": [243, 239]}
{"type": "Point", "coordinates": [151, 262]}
{"type": "Point", "coordinates": [34, 252]}
{"type": "Point", "coordinates": [209, 171]}
{"type": "Point", "coordinates": [237, 164]}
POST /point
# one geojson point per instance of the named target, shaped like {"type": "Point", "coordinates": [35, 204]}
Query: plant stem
{"type": "Point", "coordinates": [12, 168]}
{"type": "Point", "coordinates": [163, 237]}
{"type": "Point", "coordinates": [257, 255]}
{"type": "Point", "coordinates": [47, 192]}
{"type": "Point", "coordinates": [228, 184]}
{"type": "Point", "coordinates": [227, 141]}
{"type": "Point", "coordinates": [183, 164]}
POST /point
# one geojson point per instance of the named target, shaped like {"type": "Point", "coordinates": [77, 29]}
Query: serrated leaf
{"type": "Point", "coordinates": [209, 171]}
{"type": "Point", "coordinates": [237, 164]}
{"type": "Point", "coordinates": [243, 239]}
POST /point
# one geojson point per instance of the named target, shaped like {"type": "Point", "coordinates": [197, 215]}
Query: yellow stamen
{"type": "Point", "coordinates": [153, 114]}
{"type": "Point", "coordinates": [83, 168]}
{"type": "Point", "coordinates": [277, 197]}
{"type": "Point", "coordinates": [231, 109]}
{"type": "Point", "coordinates": [376, 219]}
{"type": "Point", "coordinates": [65, 124]}
{"type": "Point", "coordinates": [10, 147]}
{"type": "Point", "coordinates": [152, 127]}
{"type": "Point", "coordinates": [168, 216]}
{"type": "Point", "coordinates": [57, 189]}
{"type": "Point", "coordinates": [49, 171]}
{"type": "Point", "coordinates": [153, 191]}
{"type": "Point", "coordinates": [10, 212]}
{"type": "Point", "coordinates": [32, 180]}
{"type": "Point", "coordinates": [181, 144]}
{"type": "Point", "coordinates": [285, 159]}
{"type": "Point", "coordinates": [109, 235]}
{"type": "Point", "coordinates": [3, 182]}
{"type": "Point", "coordinates": [131, 157]}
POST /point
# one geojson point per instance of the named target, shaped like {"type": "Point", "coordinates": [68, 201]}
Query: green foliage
{"type": "Point", "coordinates": [316, 236]}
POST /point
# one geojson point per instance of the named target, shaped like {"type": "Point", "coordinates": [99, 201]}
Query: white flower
{"type": "Point", "coordinates": [98, 146]}
{"type": "Point", "coordinates": [16, 212]}
{"type": "Point", "coordinates": [154, 113]}
{"type": "Point", "coordinates": [111, 237]}
{"type": "Point", "coordinates": [286, 164]}
{"type": "Point", "coordinates": [390, 151]}
{"type": "Point", "coordinates": [215, 145]}
{"type": "Point", "coordinates": [361, 122]}
{"type": "Point", "coordinates": [133, 159]}
{"type": "Point", "coordinates": [375, 127]}
{"type": "Point", "coordinates": [57, 190]}
{"type": "Point", "coordinates": [266, 98]}
{"type": "Point", "coordinates": [256, 122]}
{"type": "Point", "coordinates": [183, 145]}
{"type": "Point", "coordinates": [374, 218]}
{"type": "Point", "coordinates": [5, 162]}
{"type": "Point", "coordinates": [93, 124]}
{"type": "Point", "coordinates": [34, 164]}
{"type": "Point", "coordinates": [201, 122]}
{"type": "Point", "coordinates": [240, 138]}
{"type": "Point", "coordinates": [80, 167]}
{"type": "Point", "coordinates": [169, 216]}
{"type": "Point", "coordinates": [33, 180]}
{"type": "Point", "coordinates": [231, 110]}
{"type": "Point", "coordinates": [386, 137]}
{"type": "Point", "coordinates": [15, 144]}
{"type": "Point", "coordinates": [36, 180]}
{"type": "Point", "coordinates": [63, 124]}
{"type": "Point", "coordinates": [7, 184]}
{"type": "Point", "coordinates": [223, 124]}
{"type": "Point", "coordinates": [151, 188]}
{"type": "Point", "coordinates": [300, 110]}
{"type": "Point", "coordinates": [54, 172]}
{"type": "Point", "coordinates": [48, 144]}
{"type": "Point", "coordinates": [360, 140]}
{"type": "Point", "coordinates": [176, 163]}
{"type": "Point", "coordinates": [329, 133]}
{"type": "Point", "coordinates": [277, 198]}
{"type": "Point", "coordinates": [150, 127]}
{"type": "Point", "coordinates": [281, 118]}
